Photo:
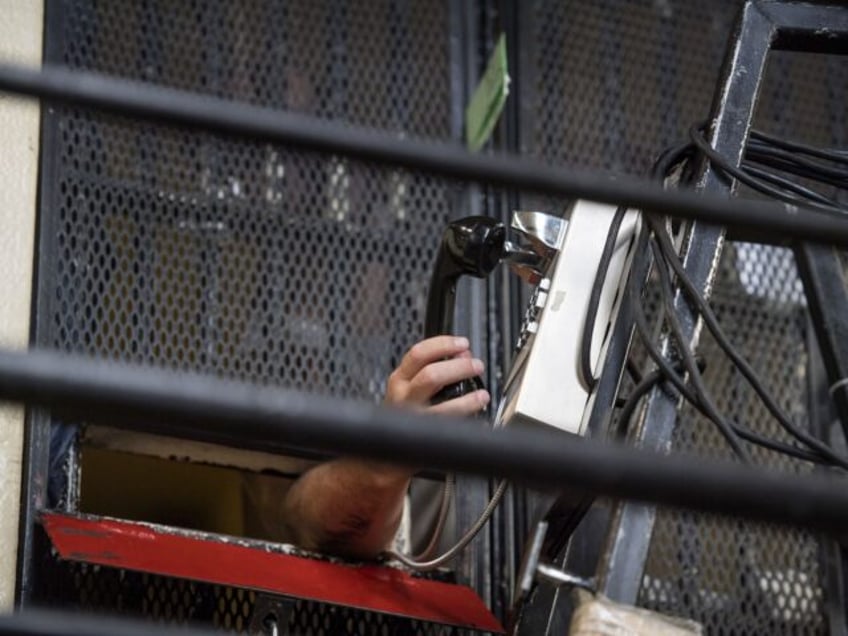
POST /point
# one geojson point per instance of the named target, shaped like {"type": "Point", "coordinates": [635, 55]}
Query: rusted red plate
{"type": "Point", "coordinates": [264, 567]}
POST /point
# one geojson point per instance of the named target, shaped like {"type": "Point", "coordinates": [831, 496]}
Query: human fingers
{"type": "Point", "coordinates": [427, 351]}
{"type": "Point", "coordinates": [468, 404]}
{"type": "Point", "coordinates": [436, 375]}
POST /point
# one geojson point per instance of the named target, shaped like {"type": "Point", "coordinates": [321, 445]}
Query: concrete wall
{"type": "Point", "coordinates": [21, 27]}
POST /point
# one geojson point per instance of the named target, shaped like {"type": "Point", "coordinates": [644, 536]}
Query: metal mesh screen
{"type": "Point", "coordinates": [611, 85]}
{"type": "Point", "coordinates": [177, 248]}
{"type": "Point", "coordinates": [730, 575]}
{"type": "Point", "coordinates": [246, 260]}
{"type": "Point", "coordinates": [169, 601]}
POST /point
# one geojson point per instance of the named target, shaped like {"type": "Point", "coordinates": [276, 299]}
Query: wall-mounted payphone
{"type": "Point", "coordinates": [560, 257]}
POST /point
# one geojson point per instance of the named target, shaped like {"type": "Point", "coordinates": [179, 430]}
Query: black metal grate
{"type": "Point", "coordinates": [169, 601]}
{"type": "Point", "coordinates": [180, 249]}
{"type": "Point", "coordinates": [608, 85]}
{"type": "Point", "coordinates": [176, 248]}
{"type": "Point", "coordinates": [245, 260]}
{"type": "Point", "coordinates": [730, 575]}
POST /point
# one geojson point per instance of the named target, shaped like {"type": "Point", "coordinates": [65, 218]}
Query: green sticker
{"type": "Point", "coordinates": [488, 100]}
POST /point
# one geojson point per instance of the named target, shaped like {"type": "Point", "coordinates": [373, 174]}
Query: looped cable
{"type": "Point", "coordinates": [837, 385]}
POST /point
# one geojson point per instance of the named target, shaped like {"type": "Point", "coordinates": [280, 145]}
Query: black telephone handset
{"type": "Point", "coordinates": [473, 245]}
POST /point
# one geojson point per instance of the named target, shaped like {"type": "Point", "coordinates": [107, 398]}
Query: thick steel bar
{"type": "Point", "coordinates": [43, 622]}
{"type": "Point", "coordinates": [243, 415]}
{"type": "Point", "coordinates": [821, 271]}
{"type": "Point", "coordinates": [767, 221]}
{"type": "Point", "coordinates": [808, 26]}
{"type": "Point", "coordinates": [623, 563]}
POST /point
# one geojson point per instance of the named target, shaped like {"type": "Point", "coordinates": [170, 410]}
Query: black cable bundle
{"type": "Point", "coordinates": [768, 159]}
{"type": "Point", "coordinates": [767, 162]}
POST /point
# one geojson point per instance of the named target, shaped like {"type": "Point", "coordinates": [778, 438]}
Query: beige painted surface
{"type": "Point", "coordinates": [198, 452]}
{"type": "Point", "coordinates": [21, 25]}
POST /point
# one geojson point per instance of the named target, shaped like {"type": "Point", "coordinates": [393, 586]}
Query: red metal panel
{"type": "Point", "coordinates": [264, 567]}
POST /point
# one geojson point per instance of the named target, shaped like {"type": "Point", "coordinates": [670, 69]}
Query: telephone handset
{"type": "Point", "coordinates": [472, 246]}
{"type": "Point", "coordinates": [559, 256]}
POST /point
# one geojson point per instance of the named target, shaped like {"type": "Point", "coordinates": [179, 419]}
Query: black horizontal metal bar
{"type": "Point", "coordinates": [807, 26]}
{"type": "Point", "coordinates": [44, 622]}
{"type": "Point", "coordinates": [206, 409]}
{"type": "Point", "coordinates": [763, 221]}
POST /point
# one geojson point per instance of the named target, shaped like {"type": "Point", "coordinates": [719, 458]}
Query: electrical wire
{"type": "Point", "coordinates": [655, 376]}
{"type": "Point", "coordinates": [672, 259]}
{"type": "Point", "coordinates": [669, 158]}
{"type": "Point", "coordinates": [667, 371]}
{"type": "Point", "coordinates": [701, 394]}
{"type": "Point", "coordinates": [665, 366]}
{"type": "Point", "coordinates": [711, 321]}
{"type": "Point", "coordinates": [839, 156]}
{"type": "Point", "coordinates": [636, 394]}
{"type": "Point", "coordinates": [453, 552]}
{"type": "Point", "coordinates": [642, 388]}
{"type": "Point", "coordinates": [448, 490]}
{"type": "Point", "coordinates": [774, 163]}
{"type": "Point", "coordinates": [787, 184]}
{"type": "Point", "coordinates": [587, 377]}
{"type": "Point", "coordinates": [665, 255]}
{"type": "Point", "coordinates": [813, 167]}
{"type": "Point", "coordinates": [740, 175]}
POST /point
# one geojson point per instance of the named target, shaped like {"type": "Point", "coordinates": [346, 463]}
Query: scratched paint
{"type": "Point", "coordinates": [264, 567]}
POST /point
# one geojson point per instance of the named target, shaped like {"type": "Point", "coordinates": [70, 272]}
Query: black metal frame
{"type": "Point", "coordinates": [766, 222]}
{"type": "Point", "coordinates": [242, 415]}
{"type": "Point", "coordinates": [627, 547]}
{"type": "Point", "coordinates": [470, 500]}
{"type": "Point", "coordinates": [821, 271]}
{"type": "Point", "coordinates": [821, 409]}
{"type": "Point", "coordinates": [471, 494]}
{"type": "Point", "coordinates": [762, 26]}
{"type": "Point", "coordinates": [36, 460]}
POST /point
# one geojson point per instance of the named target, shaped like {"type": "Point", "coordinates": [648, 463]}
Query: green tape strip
{"type": "Point", "coordinates": [488, 100]}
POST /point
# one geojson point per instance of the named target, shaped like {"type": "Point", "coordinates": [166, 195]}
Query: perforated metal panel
{"type": "Point", "coordinates": [608, 85]}
{"type": "Point", "coordinates": [753, 579]}
{"type": "Point", "coordinates": [612, 84]}
{"type": "Point", "coordinates": [245, 260]}
{"type": "Point", "coordinates": [168, 601]}
{"type": "Point", "coordinates": [177, 248]}
{"type": "Point", "coordinates": [730, 575]}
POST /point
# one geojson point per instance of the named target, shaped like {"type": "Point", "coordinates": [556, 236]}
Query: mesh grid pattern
{"type": "Point", "coordinates": [176, 248]}
{"type": "Point", "coordinates": [182, 249]}
{"type": "Point", "coordinates": [730, 575]}
{"type": "Point", "coordinates": [611, 85]}
{"type": "Point", "coordinates": [245, 260]}
{"type": "Point", "coordinates": [616, 82]}
{"type": "Point", "coordinates": [169, 601]}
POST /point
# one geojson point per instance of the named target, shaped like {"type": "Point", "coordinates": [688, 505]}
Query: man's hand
{"type": "Point", "coordinates": [429, 366]}
{"type": "Point", "coordinates": [353, 507]}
